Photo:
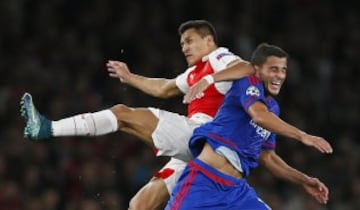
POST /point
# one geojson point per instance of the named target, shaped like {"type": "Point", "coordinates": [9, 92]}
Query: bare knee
{"type": "Point", "coordinates": [154, 195]}
{"type": "Point", "coordinates": [135, 118]}
{"type": "Point", "coordinates": [121, 111]}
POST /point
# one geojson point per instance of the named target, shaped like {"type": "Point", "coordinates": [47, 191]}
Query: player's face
{"type": "Point", "coordinates": [194, 46]}
{"type": "Point", "coordinates": [272, 73]}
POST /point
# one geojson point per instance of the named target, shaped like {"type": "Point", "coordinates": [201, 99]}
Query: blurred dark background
{"type": "Point", "coordinates": [57, 50]}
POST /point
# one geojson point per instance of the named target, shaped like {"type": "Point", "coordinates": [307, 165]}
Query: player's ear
{"type": "Point", "coordinates": [209, 39]}
{"type": "Point", "coordinates": [256, 67]}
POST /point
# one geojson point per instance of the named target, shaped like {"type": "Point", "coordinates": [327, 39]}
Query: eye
{"type": "Point", "coordinates": [274, 69]}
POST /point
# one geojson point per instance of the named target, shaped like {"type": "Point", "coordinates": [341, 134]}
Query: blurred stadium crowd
{"type": "Point", "coordinates": [57, 50]}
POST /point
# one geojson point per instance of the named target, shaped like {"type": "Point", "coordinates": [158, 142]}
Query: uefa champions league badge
{"type": "Point", "coordinates": [253, 91]}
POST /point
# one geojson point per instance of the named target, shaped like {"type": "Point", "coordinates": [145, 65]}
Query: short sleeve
{"type": "Point", "coordinates": [251, 92]}
{"type": "Point", "coordinates": [221, 58]}
{"type": "Point", "coordinates": [270, 143]}
{"type": "Point", "coordinates": [181, 80]}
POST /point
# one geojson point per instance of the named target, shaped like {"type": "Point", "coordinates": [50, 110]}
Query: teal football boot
{"type": "Point", "coordinates": [37, 127]}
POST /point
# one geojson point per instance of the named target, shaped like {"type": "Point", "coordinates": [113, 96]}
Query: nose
{"type": "Point", "coordinates": [185, 49]}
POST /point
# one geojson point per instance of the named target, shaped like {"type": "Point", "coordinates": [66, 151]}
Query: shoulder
{"type": "Point", "coordinates": [249, 86]}
{"type": "Point", "coordinates": [181, 81]}
{"type": "Point", "coordinates": [249, 81]}
{"type": "Point", "coordinates": [220, 53]}
{"type": "Point", "coordinates": [187, 71]}
{"type": "Point", "coordinates": [221, 58]}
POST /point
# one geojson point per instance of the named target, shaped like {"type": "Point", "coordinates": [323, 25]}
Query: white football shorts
{"type": "Point", "coordinates": [171, 138]}
{"type": "Point", "coordinates": [172, 134]}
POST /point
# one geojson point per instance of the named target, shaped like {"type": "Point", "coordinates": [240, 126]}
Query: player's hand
{"type": "Point", "coordinates": [196, 91]}
{"type": "Point", "coordinates": [117, 69]}
{"type": "Point", "coordinates": [318, 142]}
{"type": "Point", "coordinates": [316, 189]}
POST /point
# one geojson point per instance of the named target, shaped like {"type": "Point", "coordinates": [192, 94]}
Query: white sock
{"type": "Point", "coordinates": [87, 124]}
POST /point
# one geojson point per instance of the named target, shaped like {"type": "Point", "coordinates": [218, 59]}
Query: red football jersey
{"type": "Point", "coordinates": [214, 95]}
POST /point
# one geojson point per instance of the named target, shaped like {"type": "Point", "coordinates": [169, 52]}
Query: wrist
{"type": "Point", "coordinates": [209, 79]}
{"type": "Point", "coordinates": [129, 78]}
{"type": "Point", "coordinates": [301, 136]}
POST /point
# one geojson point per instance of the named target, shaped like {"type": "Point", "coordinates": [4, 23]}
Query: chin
{"type": "Point", "coordinates": [275, 93]}
{"type": "Point", "coordinates": [189, 62]}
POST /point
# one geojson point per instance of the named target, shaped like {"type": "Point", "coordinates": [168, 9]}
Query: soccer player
{"type": "Point", "coordinates": [167, 132]}
{"type": "Point", "coordinates": [234, 143]}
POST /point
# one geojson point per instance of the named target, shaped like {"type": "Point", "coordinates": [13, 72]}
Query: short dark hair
{"type": "Point", "coordinates": [263, 51]}
{"type": "Point", "coordinates": [202, 27]}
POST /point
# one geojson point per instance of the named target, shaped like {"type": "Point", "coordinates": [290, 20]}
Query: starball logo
{"type": "Point", "coordinates": [260, 131]}
{"type": "Point", "coordinates": [253, 91]}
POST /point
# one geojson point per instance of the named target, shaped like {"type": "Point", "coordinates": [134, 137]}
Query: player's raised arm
{"type": "Point", "coordinates": [263, 117]}
{"type": "Point", "coordinates": [279, 168]}
{"type": "Point", "coordinates": [235, 70]}
{"type": "Point", "coordinates": [157, 87]}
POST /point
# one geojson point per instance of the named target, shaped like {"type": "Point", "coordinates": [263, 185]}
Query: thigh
{"type": "Point", "coordinates": [154, 195]}
{"type": "Point", "coordinates": [140, 122]}
{"type": "Point", "coordinates": [171, 173]}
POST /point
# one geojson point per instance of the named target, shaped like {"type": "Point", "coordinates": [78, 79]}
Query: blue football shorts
{"type": "Point", "coordinates": [203, 187]}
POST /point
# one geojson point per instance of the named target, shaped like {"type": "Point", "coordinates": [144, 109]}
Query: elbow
{"type": "Point", "coordinates": [250, 69]}
{"type": "Point", "coordinates": [160, 95]}
{"type": "Point", "coordinates": [245, 69]}
{"type": "Point", "coordinates": [265, 159]}
{"type": "Point", "coordinates": [258, 119]}
{"type": "Point", "coordinates": [163, 94]}
{"type": "Point", "coordinates": [167, 90]}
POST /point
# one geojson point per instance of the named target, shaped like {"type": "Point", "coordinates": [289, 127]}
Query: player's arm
{"type": "Point", "coordinates": [157, 87]}
{"type": "Point", "coordinates": [235, 70]}
{"type": "Point", "coordinates": [260, 115]}
{"type": "Point", "coordinates": [279, 168]}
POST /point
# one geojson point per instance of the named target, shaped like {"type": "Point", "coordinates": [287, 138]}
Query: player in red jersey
{"type": "Point", "coordinates": [163, 130]}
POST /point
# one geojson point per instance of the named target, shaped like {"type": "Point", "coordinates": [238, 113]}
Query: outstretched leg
{"type": "Point", "coordinates": [140, 122]}
{"type": "Point", "coordinates": [171, 134]}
